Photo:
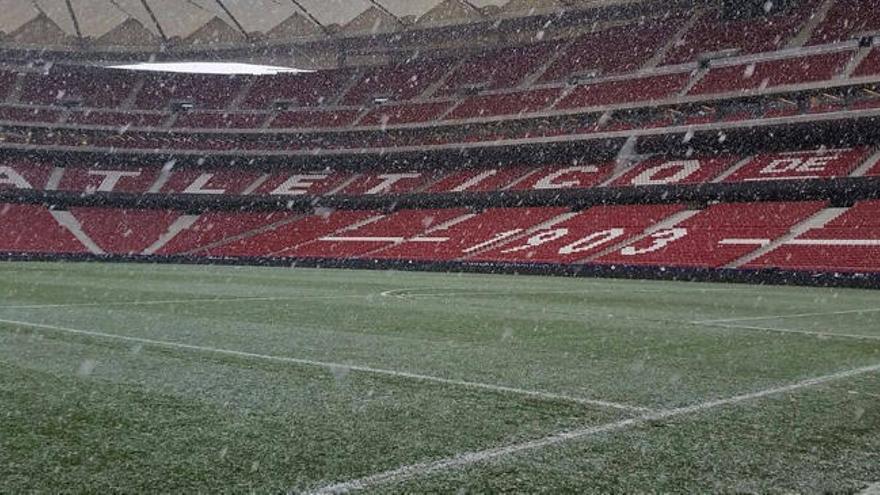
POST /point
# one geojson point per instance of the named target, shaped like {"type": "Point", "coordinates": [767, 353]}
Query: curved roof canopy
{"type": "Point", "coordinates": [144, 23]}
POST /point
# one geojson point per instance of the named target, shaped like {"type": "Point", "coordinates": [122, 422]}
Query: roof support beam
{"type": "Point", "coordinates": [237, 24]}
{"type": "Point", "coordinates": [155, 20]}
{"type": "Point", "coordinates": [387, 12]}
{"type": "Point", "coordinates": [74, 19]}
{"type": "Point", "coordinates": [311, 17]}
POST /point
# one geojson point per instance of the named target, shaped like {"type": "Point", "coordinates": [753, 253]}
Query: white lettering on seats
{"type": "Point", "coordinates": [549, 182]}
{"type": "Point", "coordinates": [473, 181]}
{"type": "Point", "coordinates": [592, 241]}
{"type": "Point", "coordinates": [10, 177]}
{"type": "Point", "coordinates": [661, 240]}
{"type": "Point", "coordinates": [111, 178]}
{"type": "Point", "coordinates": [497, 238]}
{"type": "Point", "coordinates": [198, 186]}
{"type": "Point", "coordinates": [799, 165]}
{"type": "Point", "coordinates": [685, 168]}
{"type": "Point", "coordinates": [389, 180]}
{"type": "Point", "coordinates": [539, 239]}
{"type": "Point", "coordinates": [298, 184]}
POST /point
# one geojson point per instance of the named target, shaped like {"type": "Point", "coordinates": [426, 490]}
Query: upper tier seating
{"type": "Point", "coordinates": [713, 33]}
{"type": "Point", "coordinates": [846, 19]}
{"type": "Point", "coordinates": [160, 91]}
{"type": "Point", "coordinates": [760, 75]}
{"type": "Point", "coordinates": [302, 90]}
{"type": "Point", "coordinates": [851, 242]}
{"type": "Point", "coordinates": [625, 91]}
{"type": "Point", "coordinates": [870, 65]}
{"type": "Point", "coordinates": [215, 182]}
{"type": "Point", "coordinates": [565, 177]}
{"type": "Point", "coordinates": [116, 119]}
{"type": "Point", "coordinates": [313, 119]}
{"type": "Point", "coordinates": [78, 84]}
{"type": "Point", "coordinates": [611, 51]}
{"type": "Point", "coordinates": [403, 81]}
{"type": "Point", "coordinates": [500, 68]}
{"type": "Point", "coordinates": [28, 114]}
{"type": "Point", "coordinates": [405, 113]}
{"type": "Point", "coordinates": [204, 120]}
{"type": "Point", "coordinates": [519, 102]}
{"type": "Point", "coordinates": [716, 236]}
{"type": "Point", "coordinates": [7, 82]}
{"type": "Point", "coordinates": [32, 229]}
{"type": "Point", "coordinates": [582, 235]}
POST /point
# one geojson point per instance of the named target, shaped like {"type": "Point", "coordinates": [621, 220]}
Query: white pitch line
{"type": "Point", "coordinates": [801, 315]}
{"type": "Point", "coordinates": [335, 366]}
{"type": "Point", "coordinates": [180, 301]}
{"type": "Point", "coordinates": [792, 331]}
{"type": "Point", "coordinates": [416, 470]}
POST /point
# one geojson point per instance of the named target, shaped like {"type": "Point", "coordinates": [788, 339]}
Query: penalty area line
{"type": "Point", "coordinates": [824, 335]}
{"type": "Point", "coordinates": [800, 315]}
{"type": "Point", "coordinates": [533, 394]}
{"type": "Point", "coordinates": [405, 473]}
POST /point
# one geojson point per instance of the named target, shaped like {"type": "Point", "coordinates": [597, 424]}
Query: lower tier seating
{"type": "Point", "coordinates": [790, 235]}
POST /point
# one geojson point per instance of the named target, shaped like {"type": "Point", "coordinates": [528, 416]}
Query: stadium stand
{"type": "Point", "coordinates": [643, 141]}
{"type": "Point", "coordinates": [850, 242]}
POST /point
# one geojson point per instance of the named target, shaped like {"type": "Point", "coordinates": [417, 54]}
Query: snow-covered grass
{"type": "Point", "coordinates": [192, 378]}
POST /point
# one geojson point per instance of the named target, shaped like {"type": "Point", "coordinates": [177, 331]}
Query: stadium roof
{"type": "Point", "coordinates": [143, 23]}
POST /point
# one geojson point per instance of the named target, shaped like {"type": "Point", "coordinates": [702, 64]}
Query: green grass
{"type": "Point", "coordinates": [97, 413]}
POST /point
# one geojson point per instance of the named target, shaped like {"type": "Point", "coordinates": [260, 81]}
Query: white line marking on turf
{"type": "Point", "coordinates": [408, 472]}
{"type": "Point", "coordinates": [181, 301]}
{"type": "Point", "coordinates": [335, 366]}
{"type": "Point", "coordinates": [801, 315]}
{"type": "Point", "coordinates": [793, 331]}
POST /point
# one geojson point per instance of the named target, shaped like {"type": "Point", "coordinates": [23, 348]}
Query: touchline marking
{"type": "Point", "coordinates": [415, 470]}
{"type": "Point", "coordinates": [801, 315]}
{"type": "Point", "coordinates": [336, 366]}
{"type": "Point", "coordinates": [180, 301]}
{"type": "Point", "coordinates": [789, 330]}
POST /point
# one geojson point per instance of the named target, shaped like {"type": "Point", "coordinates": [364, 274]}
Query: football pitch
{"type": "Point", "coordinates": [142, 378]}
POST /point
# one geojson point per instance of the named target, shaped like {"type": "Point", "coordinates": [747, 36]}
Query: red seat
{"type": "Point", "coordinates": [816, 164]}
{"type": "Point", "coordinates": [32, 229]}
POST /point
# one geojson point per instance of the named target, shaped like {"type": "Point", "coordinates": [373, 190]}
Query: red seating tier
{"type": "Point", "coordinates": [611, 51]}
{"type": "Point", "coordinates": [67, 83]}
{"type": "Point", "coordinates": [851, 242]}
{"type": "Point", "coordinates": [159, 91]}
{"type": "Point", "coordinates": [818, 164]}
{"type": "Point", "coordinates": [215, 227]}
{"type": "Point", "coordinates": [217, 182]}
{"type": "Point", "coordinates": [303, 90]}
{"type": "Point", "coordinates": [124, 231]}
{"type": "Point", "coordinates": [389, 230]}
{"type": "Point", "coordinates": [479, 180]}
{"type": "Point", "coordinates": [202, 120]}
{"type": "Point", "coordinates": [565, 177]}
{"type": "Point", "coordinates": [116, 119]}
{"type": "Point", "coordinates": [25, 114]}
{"type": "Point", "coordinates": [405, 113]}
{"type": "Point", "coordinates": [520, 102]}
{"type": "Point", "coordinates": [97, 179]}
{"type": "Point", "coordinates": [660, 171]}
{"type": "Point", "coordinates": [473, 234]}
{"type": "Point", "coordinates": [497, 69]}
{"type": "Point", "coordinates": [870, 65]}
{"type": "Point", "coordinates": [400, 82]}
{"type": "Point", "coordinates": [388, 183]}
{"type": "Point", "coordinates": [847, 18]}
{"type": "Point", "coordinates": [716, 236]}
{"type": "Point", "coordinates": [24, 174]}
{"type": "Point", "coordinates": [280, 240]}
{"type": "Point", "coordinates": [798, 70]}
{"type": "Point", "coordinates": [582, 236]}
{"type": "Point", "coordinates": [32, 229]}
{"type": "Point", "coordinates": [625, 91]}
{"type": "Point", "coordinates": [712, 33]}
{"type": "Point", "coordinates": [306, 119]}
